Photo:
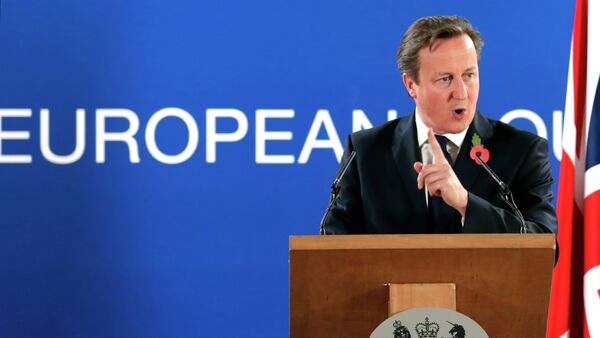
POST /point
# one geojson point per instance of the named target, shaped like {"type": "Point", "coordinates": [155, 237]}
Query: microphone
{"type": "Point", "coordinates": [335, 190]}
{"type": "Point", "coordinates": [504, 192]}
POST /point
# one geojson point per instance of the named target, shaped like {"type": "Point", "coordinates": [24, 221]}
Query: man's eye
{"type": "Point", "coordinates": [444, 79]}
{"type": "Point", "coordinates": [470, 75]}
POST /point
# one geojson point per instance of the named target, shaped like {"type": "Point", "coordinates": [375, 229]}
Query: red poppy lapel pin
{"type": "Point", "coordinates": [477, 148]}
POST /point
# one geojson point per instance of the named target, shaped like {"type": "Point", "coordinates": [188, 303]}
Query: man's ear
{"type": "Point", "coordinates": [410, 84]}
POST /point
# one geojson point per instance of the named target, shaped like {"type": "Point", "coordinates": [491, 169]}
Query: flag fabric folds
{"type": "Point", "coordinates": [575, 299]}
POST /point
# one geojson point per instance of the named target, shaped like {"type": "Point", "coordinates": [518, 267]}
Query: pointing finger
{"type": "Point", "coordinates": [438, 154]}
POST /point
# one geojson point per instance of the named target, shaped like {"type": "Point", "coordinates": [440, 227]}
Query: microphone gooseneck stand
{"type": "Point", "coordinates": [335, 192]}
{"type": "Point", "coordinates": [504, 193]}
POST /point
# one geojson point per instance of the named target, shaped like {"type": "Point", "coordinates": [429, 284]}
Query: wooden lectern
{"type": "Point", "coordinates": [340, 285]}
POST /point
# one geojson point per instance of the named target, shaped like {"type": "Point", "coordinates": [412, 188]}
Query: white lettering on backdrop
{"type": "Point", "coordinates": [322, 123]}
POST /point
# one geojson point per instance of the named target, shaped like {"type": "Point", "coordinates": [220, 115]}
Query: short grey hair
{"type": "Point", "coordinates": [424, 32]}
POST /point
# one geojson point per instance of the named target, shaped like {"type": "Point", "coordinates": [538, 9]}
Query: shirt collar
{"type": "Point", "coordinates": [457, 139]}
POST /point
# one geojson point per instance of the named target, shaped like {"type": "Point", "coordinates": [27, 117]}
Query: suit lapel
{"type": "Point", "coordinates": [465, 168]}
{"type": "Point", "coordinates": [406, 152]}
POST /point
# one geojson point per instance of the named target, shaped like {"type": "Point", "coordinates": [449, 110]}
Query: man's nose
{"type": "Point", "coordinates": [459, 89]}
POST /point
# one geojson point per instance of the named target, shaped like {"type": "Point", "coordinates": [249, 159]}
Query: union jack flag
{"type": "Point", "coordinates": [575, 299]}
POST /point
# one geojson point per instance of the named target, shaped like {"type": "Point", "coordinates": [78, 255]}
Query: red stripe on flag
{"type": "Point", "coordinates": [566, 311]}
{"type": "Point", "coordinates": [580, 27]}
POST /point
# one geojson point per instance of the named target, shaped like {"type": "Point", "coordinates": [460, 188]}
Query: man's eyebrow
{"type": "Point", "coordinates": [444, 73]}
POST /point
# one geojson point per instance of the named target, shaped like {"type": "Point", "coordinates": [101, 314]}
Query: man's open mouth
{"type": "Point", "coordinates": [460, 111]}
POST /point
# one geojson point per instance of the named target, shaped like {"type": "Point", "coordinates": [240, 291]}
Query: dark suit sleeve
{"type": "Point", "coordinates": [532, 191]}
{"type": "Point", "coordinates": [346, 215]}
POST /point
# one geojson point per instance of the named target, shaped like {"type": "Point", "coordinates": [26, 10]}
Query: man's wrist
{"type": "Point", "coordinates": [462, 208]}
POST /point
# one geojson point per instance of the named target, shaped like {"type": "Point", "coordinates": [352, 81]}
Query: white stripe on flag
{"type": "Point", "coordinates": [592, 181]}
{"type": "Point", "coordinates": [569, 132]}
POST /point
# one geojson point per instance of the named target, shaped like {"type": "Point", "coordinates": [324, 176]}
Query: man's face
{"type": "Point", "coordinates": [446, 95]}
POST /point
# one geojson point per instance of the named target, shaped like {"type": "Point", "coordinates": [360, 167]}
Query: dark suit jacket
{"type": "Point", "coordinates": [379, 194]}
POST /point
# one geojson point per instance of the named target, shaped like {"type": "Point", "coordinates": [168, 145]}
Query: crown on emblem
{"type": "Point", "coordinates": [427, 329]}
{"type": "Point", "coordinates": [397, 324]}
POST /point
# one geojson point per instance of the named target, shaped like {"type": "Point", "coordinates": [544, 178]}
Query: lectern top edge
{"type": "Point", "coordinates": [429, 241]}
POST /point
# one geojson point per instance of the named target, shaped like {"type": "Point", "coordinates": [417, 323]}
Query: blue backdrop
{"type": "Point", "coordinates": [199, 248]}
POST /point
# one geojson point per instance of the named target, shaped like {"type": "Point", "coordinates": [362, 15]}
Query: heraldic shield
{"type": "Point", "coordinates": [429, 323]}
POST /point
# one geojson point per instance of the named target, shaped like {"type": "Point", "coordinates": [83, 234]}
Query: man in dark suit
{"type": "Point", "coordinates": [389, 188]}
